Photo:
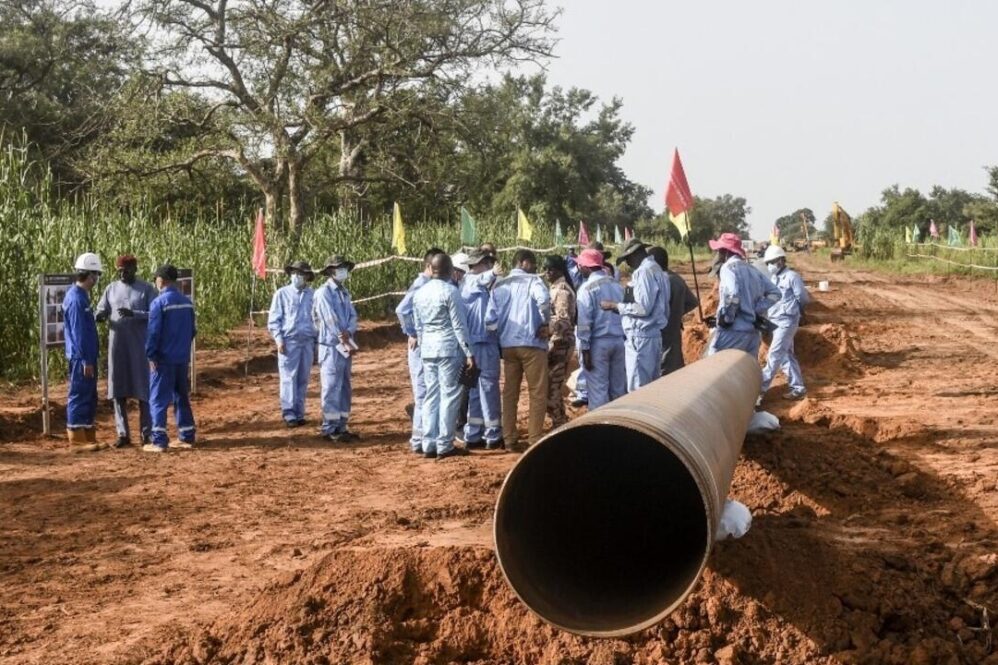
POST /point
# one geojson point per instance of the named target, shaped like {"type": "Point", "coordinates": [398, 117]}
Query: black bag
{"type": "Point", "coordinates": [469, 377]}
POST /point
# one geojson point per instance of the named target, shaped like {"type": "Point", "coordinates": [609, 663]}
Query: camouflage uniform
{"type": "Point", "coordinates": [562, 327]}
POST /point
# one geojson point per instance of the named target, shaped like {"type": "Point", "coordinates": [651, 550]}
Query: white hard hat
{"type": "Point", "coordinates": [460, 261]}
{"type": "Point", "coordinates": [774, 252]}
{"type": "Point", "coordinates": [90, 262]}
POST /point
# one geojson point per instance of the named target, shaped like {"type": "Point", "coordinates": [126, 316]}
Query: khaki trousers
{"type": "Point", "coordinates": [518, 361]}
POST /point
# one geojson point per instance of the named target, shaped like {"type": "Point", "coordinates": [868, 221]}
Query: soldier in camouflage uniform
{"type": "Point", "coordinates": [562, 340]}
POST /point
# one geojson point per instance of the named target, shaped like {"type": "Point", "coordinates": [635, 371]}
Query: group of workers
{"type": "Point", "coordinates": [467, 321]}
{"type": "Point", "coordinates": [151, 330]}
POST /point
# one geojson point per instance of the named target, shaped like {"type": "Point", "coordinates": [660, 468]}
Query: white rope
{"type": "Point", "coordinates": [380, 295]}
{"type": "Point", "coordinates": [958, 249]}
{"type": "Point", "coordinates": [955, 263]}
{"type": "Point", "coordinates": [378, 262]}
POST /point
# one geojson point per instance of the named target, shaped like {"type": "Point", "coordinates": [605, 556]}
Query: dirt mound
{"type": "Point", "coordinates": [831, 348]}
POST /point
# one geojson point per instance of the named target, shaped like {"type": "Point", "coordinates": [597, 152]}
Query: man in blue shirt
{"type": "Point", "coordinates": [786, 316]}
{"type": "Point", "coordinates": [290, 324]}
{"type": "Point", "coordinates": [484, 415]}
{"type": "Point", "coordinates": [441, 326]}
{"type": "Point", "coordinates": [519, 312]}
{"type": "Point", "coordinates": [168, 347]}
{"type": "Point", "coordinates": [599, 333]}
{"type": "Point", "coordinates": [336, 322]}
{"type": "Point", "coordinates": [81, 351]}
{"type": "Point", "coordinates": [644, 316]}
{"type": "Point", "coordinates": [745, 296]}
{"type": "Point", "coordinates": [404, 313]}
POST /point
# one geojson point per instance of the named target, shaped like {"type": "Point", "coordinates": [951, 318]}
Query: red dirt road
{"type": "Point", "coordinates": [875, 537]}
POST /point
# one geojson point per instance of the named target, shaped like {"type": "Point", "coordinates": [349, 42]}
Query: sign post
{"type": "Point", "coordinates": [185, 282]}
{"type": "Point", "coordinates": [52, 330]}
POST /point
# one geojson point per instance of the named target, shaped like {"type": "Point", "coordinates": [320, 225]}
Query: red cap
{"type": "Point", "coordinates": [729, 241]}
{"type": "Point", "coordinates": [590, 258]}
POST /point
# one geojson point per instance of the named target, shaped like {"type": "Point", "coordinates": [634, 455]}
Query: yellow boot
{"type": "Point", "coordinates": [82, 440]}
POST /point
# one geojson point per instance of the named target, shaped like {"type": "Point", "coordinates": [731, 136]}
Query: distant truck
{"type": "Point", "coordinates": [748, 246]}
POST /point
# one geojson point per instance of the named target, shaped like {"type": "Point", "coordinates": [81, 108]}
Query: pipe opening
{"type": "Point", "coordinates": [600, 529]}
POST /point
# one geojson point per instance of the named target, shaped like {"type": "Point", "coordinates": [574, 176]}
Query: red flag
{"type": "Point", "coordinates": [933, 230]}
{"type": "Point", "coordinates": [973, 234]}
{"type": "Point", "coordinates": [583, 235]}
{"type": "Point", "coordinates": [259, 248]}
{"type": "Point", "coordinates": [678, 197]}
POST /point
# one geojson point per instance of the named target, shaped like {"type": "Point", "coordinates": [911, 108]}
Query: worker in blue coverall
{"type": "Point", "coordinates": [745, 297]}
{"type": "Point", "coordinates": [442, 328]}
{"type": "Point", "coordinates": [168, 347]}
{"type": "Point", "coordinates": [786, 315]}
{"type": "Point", "coordinates": [484, 426]}
{"type": "Point", "coordinates": [404, 314]}
{"type": "Point", "coordinates": [80, 329]}
{"type": "Point", "coordinates": [290, 324]}
{"type": "Point", "coordinates": [644, 317]}
{"type": "Point", "coordinates": [598, 332]}
{"type": "Point", "coordinates": [336, 321]}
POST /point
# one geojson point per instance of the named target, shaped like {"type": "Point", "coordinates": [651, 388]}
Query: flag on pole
{"type": "Point", "coordinates": [774, 235]}
{"type": "Point", "coordinates": [559, 237]}
{"type": "Point", "coordinates": [469, 229]}
{"type": "Point", "coordinates": [973, 234]}
{"type": "Point", "coordinates": [933, 229]}
{"type": "Point", "coordinates": [916, 234]}
{"type": "Point", "coordinates": [678, 198]}
{"type": "Point", "coordinates": [524, 229]}
{"type": "Point", "coordinates": [583, 235]}
{"type": "Point", "coordinates": [599, 233]}
{"type": "Point", "coordinates": [627, 234]}
{"type": "Point", "coordinates": [398, 230]}
{"type": "Point", "coordinates": [907, 235]}
{"type": "Point", "coordinates": [617, 240]}
{"type": "Point", "coordinates": [259, 247]}
{"type": "Point", "coordinates": [954, 239]}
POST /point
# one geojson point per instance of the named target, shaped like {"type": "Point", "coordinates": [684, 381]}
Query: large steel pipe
{"type": "Point", "coordinates": [604, 526]}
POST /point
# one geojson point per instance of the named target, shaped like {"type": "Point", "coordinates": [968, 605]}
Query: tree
{"type": "Point", "coordinates": [285, 78]}
{"type": "Point", "coordinates": [722, 214]}
{"type": "Point", "coordinates": [792, 226]}
{"type": "Point", "coordinates": [60, 61]}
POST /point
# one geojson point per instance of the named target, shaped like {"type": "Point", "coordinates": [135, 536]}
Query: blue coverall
{"type": "Point", "coordinates": [290, 323]}
{"type": "Point", "coordinates": [171, 332]}
{"type": "Point", "coordinates": [81, 350]}
{"type": "Point", "coordinates": [600, 332]}
{"type": "Point", "coordinates": [334, 313]}
{"type": "Point", "coordinates": [643, 321]}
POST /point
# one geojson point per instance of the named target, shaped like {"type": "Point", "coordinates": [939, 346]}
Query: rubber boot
{"type": "Point", "coordinates": [82, 440]}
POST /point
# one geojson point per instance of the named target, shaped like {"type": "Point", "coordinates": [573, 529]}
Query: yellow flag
{"type": "Point", "coordinates": [398, 230]}
{"type": "Point", "coordinates": [681, 222]}
{"type": "Point", "coordinates": [524, 229]}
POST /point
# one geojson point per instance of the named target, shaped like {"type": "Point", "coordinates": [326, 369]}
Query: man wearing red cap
{"type": "Point", "coordinates": [599, 331]}
{"type": "Point", "coordinates": [125, 306]}
{"type": "Point", "coordinates": [745, 297]}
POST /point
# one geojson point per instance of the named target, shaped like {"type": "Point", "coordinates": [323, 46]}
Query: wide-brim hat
{"type": "Point", "coordinates": [590, 258]}
{"type": "Point", "coordinates": [729, 241]}
{"type": "Point", "coordinates": [336, 261]}
{"type": "Point", "coordinates": [631, 246]}
{"type": "Point", "coordinates": [476, 256]}
{"type": "Point", "coordinates": [300, 266]}
{"type": "Point", "coordinates": [460, 261]}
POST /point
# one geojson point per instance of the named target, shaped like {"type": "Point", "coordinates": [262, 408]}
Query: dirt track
{"type": "Point", "coordinates": [875, 537]}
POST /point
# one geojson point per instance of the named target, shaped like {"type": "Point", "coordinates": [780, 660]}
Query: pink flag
{"type": "Point", "coordinates": [627, 233]}
{"type": "Point", "coordinates": [583, 235]}
{"type": "Point", "coordinates": [259, 248]}
{"type": "Point", "coordinates": [933, 230]}
{"type": "Point", "coordinates": [973, 234]}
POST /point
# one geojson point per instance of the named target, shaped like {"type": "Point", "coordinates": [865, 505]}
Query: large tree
{"type": "Point", "coordinates": [284, 78]}
{"type": "Point", "coordinates": [795, 225]}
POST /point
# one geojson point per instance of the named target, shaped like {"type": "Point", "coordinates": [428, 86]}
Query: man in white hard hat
{"type": "Point", "coordinates": [82, 353]}
{"type": "Point", "coordinates": [785, 314]}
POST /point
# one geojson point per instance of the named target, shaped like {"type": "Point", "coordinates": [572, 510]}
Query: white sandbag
{"type": "Point", "coordinates": [763, 421]}
{"type": "Point", "coordinates": [736, 520]}
{"type": "Point", "coordinates": [573, 380]}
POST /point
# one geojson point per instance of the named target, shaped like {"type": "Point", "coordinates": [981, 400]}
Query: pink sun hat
{"type": "Point", "coordinates": [728, 241]}
{"type": "Point", "coordinates": [590, 258]}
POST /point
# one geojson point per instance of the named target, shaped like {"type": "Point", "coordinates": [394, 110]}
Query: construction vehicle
{"type": "Point", "coordinates": [842, 228]}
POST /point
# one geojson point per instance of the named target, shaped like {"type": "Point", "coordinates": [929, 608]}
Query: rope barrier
{"type": "Point", "coordinates": [958, 249]}
{"type": "Point", "coordinates": [955, 263]}
{"type": "Point", "coordinates": [380, 295]}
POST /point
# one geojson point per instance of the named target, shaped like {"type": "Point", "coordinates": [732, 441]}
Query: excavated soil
{"type": "Point", "coordinates": [874, 536]}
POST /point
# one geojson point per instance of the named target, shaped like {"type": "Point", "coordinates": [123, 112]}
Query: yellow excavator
{"type": "Point", "coordinates": [842, 228]}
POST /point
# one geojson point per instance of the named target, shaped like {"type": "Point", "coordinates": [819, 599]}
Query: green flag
{"type": "Point", "coordinates": [954, 237]}
{"type": "Point", "coordinates": [559, 239]}
{"type": "Point", "coordinates": [469, 229]}
{"type": "Point", "coordinates": [907, 235]}
{"type": "Point", "coordinates": [916, 234]}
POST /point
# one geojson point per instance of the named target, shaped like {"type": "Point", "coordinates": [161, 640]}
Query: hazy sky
{"type": "Point", "coordinates": [794, 103]}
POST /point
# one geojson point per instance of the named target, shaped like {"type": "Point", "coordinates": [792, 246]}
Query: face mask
{"type": "Point", "coordinates": [298, 281]}
{"type": "Point", "coordinates": [772, 268]}
{"type": "Point", "coordinates": [341, 275]}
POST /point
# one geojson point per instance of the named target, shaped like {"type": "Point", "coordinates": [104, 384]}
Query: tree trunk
{"type": "Point", "coordinates": [272, 203]}
{"type": "Point", "coordinates": [296, 201]}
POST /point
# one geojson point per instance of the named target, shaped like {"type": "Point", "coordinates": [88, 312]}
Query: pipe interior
{"type": "Point", "coordinates": [600, 529]}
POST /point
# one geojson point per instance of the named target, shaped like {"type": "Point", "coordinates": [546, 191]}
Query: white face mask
{"type": "Point", "coordinates": [341, 275]}
{"type": "Point", "coordinates": [298, 281]}
{"type": "Point", "coordinates": [772, 268]}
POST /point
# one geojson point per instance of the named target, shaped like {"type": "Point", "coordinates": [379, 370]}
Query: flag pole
{"type": "Point", "coordinates": [249, 328]}
{"type": "Point", "coordinates": [693, 262]}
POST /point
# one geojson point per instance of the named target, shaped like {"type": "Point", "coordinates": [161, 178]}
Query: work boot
{"type": "Point", "coordinates": [495, 445]}
{"type": "Point", "coordinates": [453, 452]}
{"type": "Point", "coordinates": [153, 448]}
{"type": "Point", "coordinates": [430, 455]}
{"type": "Point", "coordinates": [184, 445]}
{"type": "Point", "coordinates": [122, 442]}
{"type": "Point", "coordinates": [473, 445]}
{"type": "Point", "coordinates": [795, 395]}
{"type": "Point", "coordinates": [82, 440]}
